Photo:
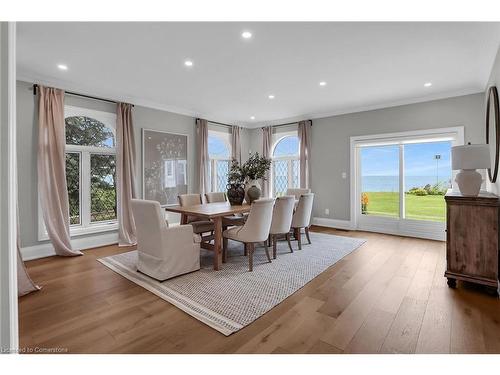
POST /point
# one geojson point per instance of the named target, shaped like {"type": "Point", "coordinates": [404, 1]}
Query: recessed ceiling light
{"type": "Point", "coordinates": [322, 83]}
{"type": "Point", "coordinates": [188, 63]}
{"type": "Point", "coordinates": [62, 67]}
{"type": "Point", "coordinates": [246, 34]}
{"type": "Point", "coordinates": [271, 96]}
{"type": "Point", "coordinates": [428, 84]}
{"type": "Point", "coordinates": [252, 117]}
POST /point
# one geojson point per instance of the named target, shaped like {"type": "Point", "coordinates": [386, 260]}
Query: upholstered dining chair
{"type": "Point", "coordinates": [200, 225]}
{"type": "Point", "coordinates": [282, 220]}
{"type": "Point", "coordinates": [255, 230]}
{"type": "Point", "coordinates": [227, 221]}
{"type": "Point", "coordinates": [302, 217]}
{"type": "Point", "coordinates": [297, 192]}
{"type": "Point", "coordinates": [215, 197]}
{"type": "Point", "coordinates": [163, 252]}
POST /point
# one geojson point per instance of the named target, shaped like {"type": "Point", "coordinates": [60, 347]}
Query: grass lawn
{"type": "Point", "coordinates": [429, 207]}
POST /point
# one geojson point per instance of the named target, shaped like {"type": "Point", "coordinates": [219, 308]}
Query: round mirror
{"type": "Point", "coordinates": [493, 131]}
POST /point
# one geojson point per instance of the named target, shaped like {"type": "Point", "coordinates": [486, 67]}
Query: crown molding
{"type": "Point", "coordinates": [50, 81]}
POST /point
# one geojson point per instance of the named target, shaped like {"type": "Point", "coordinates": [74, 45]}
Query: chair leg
{"type": "Point", "coordinates": [307, 235]}
{"type": "Point", "coordinates": [289, 243]}
{"type": "Point", "coordinates": [267, 253]}
{"type": "Point", "coordinates": [224, 249]}
{"type": "Point", "coordinates": [246, 250]}
{"type": "Point", "coordinates": [274, 245]}
{"type": "Point", "coordinates": [250, 256]}
{"type": "Point", "coordinates": [299, 238]}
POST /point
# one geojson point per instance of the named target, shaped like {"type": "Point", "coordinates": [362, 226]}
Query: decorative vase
{"type": "Point", "coordinates": [235, 194]}
{"type": "Point", "coordinates": [253, 194]}
{"type": "Point", "coordinates": [252, 184]}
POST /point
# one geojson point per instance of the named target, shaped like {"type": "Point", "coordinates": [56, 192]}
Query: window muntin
{"type": "Point", "coordinates": [285, 164]}
{"type": "Point", "coordinates": [219, 153]}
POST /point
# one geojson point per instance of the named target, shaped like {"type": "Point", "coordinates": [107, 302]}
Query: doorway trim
{"type": "Point", "coordinates": [406, 227]}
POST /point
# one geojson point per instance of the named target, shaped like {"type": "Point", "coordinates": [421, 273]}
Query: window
{"type": "Point", "coordinates": [90, 171]}
{"type": "Point", "coordinates": [219, 153]}
{"type": "Point", "coordinates": [285, 165]}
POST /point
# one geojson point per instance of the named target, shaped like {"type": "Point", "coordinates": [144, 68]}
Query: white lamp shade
{"type": "Point", "coordinates": [470, 157]}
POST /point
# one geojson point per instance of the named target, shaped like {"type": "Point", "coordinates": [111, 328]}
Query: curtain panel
{"type": "Point", "coordinates": [203, 160]}
{"type": "Point", "coordinates": [125, 174]}
{"type": "Point", "coordinates": [304, 133]}
{"type": "Point", "coordinates": [236, 143]}
{"type": "Point", "coordinates": [52, 187]}
{"type": "Point", "coordinates": [267, 144]}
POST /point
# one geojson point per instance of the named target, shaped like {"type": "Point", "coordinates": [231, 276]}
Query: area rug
{"type": "Point", "coordinates": [230, 299]}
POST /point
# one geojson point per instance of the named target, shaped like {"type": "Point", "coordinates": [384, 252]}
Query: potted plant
{"type": "Point", "coordinates": [253, 170]}
{"type": "Point", "coordinates": [235, 185]}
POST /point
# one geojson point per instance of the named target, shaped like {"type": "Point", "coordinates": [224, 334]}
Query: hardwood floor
{"type": "Point", "coordinates": [389, 296]}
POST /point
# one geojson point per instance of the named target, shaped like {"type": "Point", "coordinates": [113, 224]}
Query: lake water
{"type": "Point", "coordinates": [391, 183]}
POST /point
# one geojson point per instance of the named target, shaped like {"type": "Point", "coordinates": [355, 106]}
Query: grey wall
{"type": "Point", "coordinates": [495, 81]}
{"type": "Point", "coordinates": [27, 123]}
{"type": "Point", "coordinates": [331, 141]}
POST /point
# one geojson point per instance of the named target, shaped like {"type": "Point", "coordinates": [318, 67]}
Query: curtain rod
{"type": "Point", "coordinates": [35, 86]}
{"type": "Point", "coordinates": [273, 126]}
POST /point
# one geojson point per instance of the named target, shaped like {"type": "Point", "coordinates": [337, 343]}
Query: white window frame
{"type": "Point", "coordinates": [400, 225]}
{"type": "Point", "coordinates": [85, 226]}
{"type": "Point", "coordinates": [226, 138]}
{"type": "Point", "coordinates": [289, 159]}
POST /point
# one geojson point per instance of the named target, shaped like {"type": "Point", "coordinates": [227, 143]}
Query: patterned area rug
{"type": "Point", "coordinates": [232, 298]}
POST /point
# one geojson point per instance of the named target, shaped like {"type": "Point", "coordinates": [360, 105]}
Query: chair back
{"type": "Point", "coordinates": [215, 197]}
{"type": "Point", "coordinates": [186, 200]}
{"type": "Point", "coordinates": [150, 223]}
{"type": "Point", "coordinates": [282, 214]}
{"type": "Point", "coordinates": [297, 192]}
{"type": "Point", "coordinates": [302, 215]}
{"type": "Point", "coordinates": [258, 223]}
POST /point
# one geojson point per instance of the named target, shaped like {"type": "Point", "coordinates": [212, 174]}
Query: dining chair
{"type": "Point", "coordinates": [302, 217]}
{"type": "Point", "coordinates": [163, 252]}
{"type": "Point", "coordinates": [282, 220]}
{"type": "Point", "coordinates": [255, 230]}
{"type": "Point", "coordinates": [200, 224]}
{"type": "Point", "coordinates": [227, 221]}
{"type": "Point", "coordinates": [297, 192]}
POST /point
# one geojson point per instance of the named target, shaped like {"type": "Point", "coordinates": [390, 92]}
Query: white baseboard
{"type": "Point", "coordinates": [333, 223]}
{"type": "Point", "coordinates": [82, 243]}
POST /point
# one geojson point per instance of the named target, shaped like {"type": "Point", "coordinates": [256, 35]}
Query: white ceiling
{"type": "Point", "coordinates": [365, 65]}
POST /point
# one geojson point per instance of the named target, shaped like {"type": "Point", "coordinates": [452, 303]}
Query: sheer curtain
{"type": "Point", "coordinates": [52, 186]}
{"type": "Point", "coordinates": [125, 174]}
{"type": "Point", "coordinates": [203, 160]}
{"type": "Point", "coordinates": [304, 133]}
{"type": "Point", "coordinates": [267, 144]}
{"type": "Point", "coordinates": [236, 143]}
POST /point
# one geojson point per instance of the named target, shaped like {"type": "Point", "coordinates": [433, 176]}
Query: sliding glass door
{"type": "Point", "coordinates": [401, 182]}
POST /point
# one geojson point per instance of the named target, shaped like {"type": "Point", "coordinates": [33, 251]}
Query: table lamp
{"type": "Point", "coordinates": [467, 159]}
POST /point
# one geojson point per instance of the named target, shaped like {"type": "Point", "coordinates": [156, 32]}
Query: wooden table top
{"type": "Point", "coordinates": [210, 210]}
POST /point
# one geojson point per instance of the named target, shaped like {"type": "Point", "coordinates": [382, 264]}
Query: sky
{"type": "Point", "coordinates": [419, 160]}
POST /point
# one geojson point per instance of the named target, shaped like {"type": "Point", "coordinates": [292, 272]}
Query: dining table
{"type": "Point", "coordinates": [214, 212]}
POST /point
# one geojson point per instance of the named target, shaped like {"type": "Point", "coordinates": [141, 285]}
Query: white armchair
{"type": "Point", "coordinates": [164, 252]}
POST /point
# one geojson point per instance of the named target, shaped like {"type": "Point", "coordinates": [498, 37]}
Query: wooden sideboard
{"type": "Point", "coordinates": [472, 239]}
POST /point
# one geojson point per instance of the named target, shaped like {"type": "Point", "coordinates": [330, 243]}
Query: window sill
{"type": "Point", "coordinates": [82, 231]}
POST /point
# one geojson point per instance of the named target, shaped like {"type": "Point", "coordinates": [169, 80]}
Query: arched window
{"type": "Point", "coordinates": [285, 167]}
{"type": "Point", "coordinates": [90, 168]}
{"type": "Point", "coordinates": [219, 153]}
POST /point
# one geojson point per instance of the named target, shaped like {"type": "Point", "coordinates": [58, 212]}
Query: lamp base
{"type": "Point", "coordinates": [469, 182]}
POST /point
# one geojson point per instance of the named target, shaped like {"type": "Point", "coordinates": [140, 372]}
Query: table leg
{"type": "Point", "coordinates": [217, 242]}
